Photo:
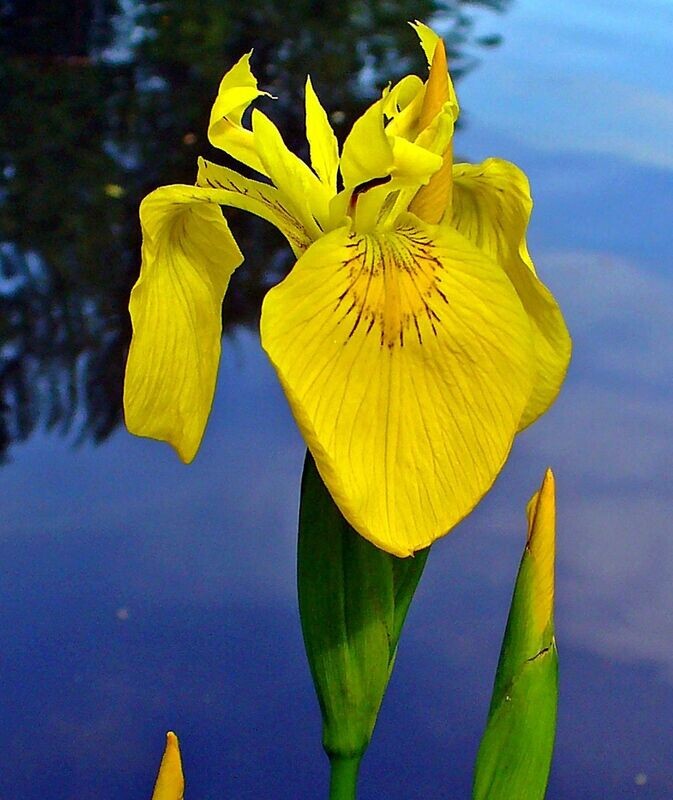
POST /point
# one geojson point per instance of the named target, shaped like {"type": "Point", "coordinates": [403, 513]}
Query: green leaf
{"type": "Point", "coordinates": [516, 750]}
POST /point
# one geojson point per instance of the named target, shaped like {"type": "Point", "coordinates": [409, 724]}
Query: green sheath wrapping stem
{"type": "Point", "coordinates": [353, 599]}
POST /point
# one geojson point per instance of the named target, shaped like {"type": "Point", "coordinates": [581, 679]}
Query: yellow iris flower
{"type": "Point", "coordinates": [412, 337]}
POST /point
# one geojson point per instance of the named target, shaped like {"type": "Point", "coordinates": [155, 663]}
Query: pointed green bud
{"type": "Point", "coordinates": [515, 753]}
{"type": "Point", "coordinates": [353, 599]}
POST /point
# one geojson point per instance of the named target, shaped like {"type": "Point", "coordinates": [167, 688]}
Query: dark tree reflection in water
{"type": "Point", "coordinates": [105, 102]}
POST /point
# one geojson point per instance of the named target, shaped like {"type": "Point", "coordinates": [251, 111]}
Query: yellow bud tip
{"type": "Point", "coordinates": [170, 783]}
{"type": "Point", "coordinates": [541, 545]}
{"type": "Point", "coordinates": [436, 88]}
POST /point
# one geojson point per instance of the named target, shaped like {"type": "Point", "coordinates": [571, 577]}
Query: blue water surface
{"type": "Point", "coordinates": [138, 595]}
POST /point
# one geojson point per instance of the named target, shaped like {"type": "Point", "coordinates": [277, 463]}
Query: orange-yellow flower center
{"type": "Point", "coordinates": [394, 288]}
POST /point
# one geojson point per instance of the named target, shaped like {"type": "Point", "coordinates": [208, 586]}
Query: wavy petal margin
{"type": "Point", "coordinates": [491, 207]}
{"type": "Point", "coordinates": [237, 91]}
{"type": "Point", "coordinates": [188, 256]}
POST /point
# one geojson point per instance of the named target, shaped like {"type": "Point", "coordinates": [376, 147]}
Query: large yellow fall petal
{"type": "Point", "coordinates": [406, 358]}
{"type": "Point", "coordinates": [170, 784]}
{"type": "Point", "coordinates": [237, 90]}
{"type": "Point", "coordinates": [188, 256]}
{"type": "Point", "coordinates": [491, 207]}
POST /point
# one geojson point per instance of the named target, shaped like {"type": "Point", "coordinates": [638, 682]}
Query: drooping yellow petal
{"type": "Point", "coordinates": [188, 256]}
{"type": "Point", "coordinates": [322, 141]}
{"type": "Point", "coordinates": [237, 90]}
{"type": "Point", "coordinates": [367, 153]}
{"type": "Point", "coordinates": [406, 359]}
{"type": "Point", "coordinates": [259, 198]}
{"type": "Point", "coordinates": [170, 783]}
{"type": "Point", "coordinates": [541, 544]}
{"type": "Point", "coordinates": [491, 207]}
{"type": "Point", "coordinates": [306, 197]}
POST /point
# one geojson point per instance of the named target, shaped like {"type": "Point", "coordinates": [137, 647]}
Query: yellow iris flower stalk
{"type": "Point", "coordinates": [412, 337]}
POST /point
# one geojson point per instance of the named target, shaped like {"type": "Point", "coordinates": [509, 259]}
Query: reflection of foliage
{"type": "Point", "coordinates": [87, 132]}
{"type": "Point", "coordinates": [62, 357]}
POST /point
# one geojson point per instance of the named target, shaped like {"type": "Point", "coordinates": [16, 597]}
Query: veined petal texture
{"type": "Point", "coordinates": [188, 256]}
{"type": "Point", "coordinates": [491, 207]}
{"type": "Point", "coordinates": [407, 361]}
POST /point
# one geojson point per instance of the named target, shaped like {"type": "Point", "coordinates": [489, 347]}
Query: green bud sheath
{"type": "Point", "coordinates": [516, 750]}
{"type": "Point", "coordinates": [353, 599]}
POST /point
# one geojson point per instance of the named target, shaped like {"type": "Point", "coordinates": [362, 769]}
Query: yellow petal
{"type": "Point", "coordinates": [379, 206]}
{"type": "Point", "coordinates": [429, 40]}
{"type": "Point", "coordinates": [414, 163]}
{"type": "Point", "coordinates": [321, 139]}
{"type": "Point", "coordinates": [437, 87]}
{"type": "Point", "coordinates": [259, 198]}
{"type": "Point", "coordinates": [491, 207]}
{"type": "Point", "coordinates": [427, 37]}
{"type": "Point", "coordinates": [402, 95]}
{"type": "Point", "coordinates": [406, 360]}
{"type": "Point", "coordinates": [237, 90]}
{"type": "Point", "coordinates": [188, 256]}
{"type": "Point", "coordinates": [306, 197]}
{"type": "Point", "coordinates": [170, 783]}
{"type": "Point", "coordinates": [541, 544]}
{"type": "Point", "coordinates": [433, 200]}
{"type": "Point", "coordinates": [402, 106]}
{"type": "Point", "coordinates": [367, 154]}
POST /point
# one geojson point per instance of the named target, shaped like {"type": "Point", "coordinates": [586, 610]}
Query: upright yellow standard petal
{"type": "Point", "coordinates": [491, 207]}
{"type": "Point", "coordinates": [432, 201]}
{"type": "Point", "coordinates": [541, 544]}
{"type": "Point", "coordinates": [170, 783]}
{"type": "Point", "coordinates": [429, 40]}
{"type": "Point", "coordinates": [437, 87]}
{"type": "Point", "coordinates": [406, 358]}
{"type": "Point", "coordinates": [321, 139]}
{"type": "Point", "coordinates": [402, 106]}
{"type": "Point", "coordinates": [188, 256]}
{"type": "Point", "coordinates": [413, 163]}
{"type": "Point", "coordinates": [306, 196]}
{"type": "Point", "coordinates": [237, 90]}
{"type": "Point", "coordinates": [367, 154]}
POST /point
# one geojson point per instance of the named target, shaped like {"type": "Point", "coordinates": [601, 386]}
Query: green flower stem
{"type": "Point", "coordinates": [343, 777]}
